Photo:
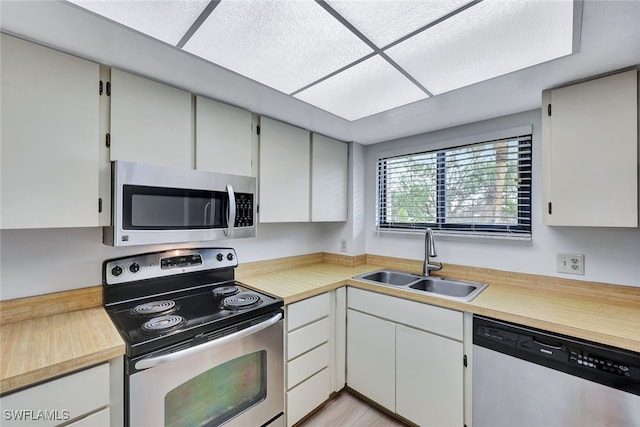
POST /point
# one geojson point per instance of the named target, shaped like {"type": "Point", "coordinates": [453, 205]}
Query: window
{"type": "Point", "coordinates": [475, 189]}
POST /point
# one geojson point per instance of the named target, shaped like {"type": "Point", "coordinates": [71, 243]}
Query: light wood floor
{"type": "Point", "coordinates": [346, 410]}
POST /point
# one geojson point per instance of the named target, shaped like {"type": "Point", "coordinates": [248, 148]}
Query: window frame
{"type": "Point", "coordinates": [524, 195]}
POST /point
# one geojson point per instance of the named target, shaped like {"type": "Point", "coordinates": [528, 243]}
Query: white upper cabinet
{"type": "Point", "coordinates": [150, 122]}
{"type": "Point", "coordinates": [223, 138]}
{"type": "Point", "coordinates": [284, 172]}
{"type": "Point", "coordinates": [50, 137]}
{"type": "Point", "coordinates": [590, 153]}
{"type": "Point", "coordinates": [329, 165]}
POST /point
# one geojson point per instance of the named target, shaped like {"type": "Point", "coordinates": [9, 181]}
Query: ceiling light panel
{"type": "Point", "coordinates": [367, 88]}
{"type": "Point", "coordinates": [385, 21]}
{"type": "Point", "coordinates": [281, 43]}
{"type": "Point", "coordinates": [166, 20]}
{"type": "Point", "coordinates": [490, 39]}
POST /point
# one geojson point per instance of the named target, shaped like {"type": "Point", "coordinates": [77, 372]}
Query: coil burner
{"type": "Point", "coordinates": [154, 307]}
{"type": "Point", "coordinates": [163, 323]}
{"type": "Point", "coordinates": [241, 301]}
{"type": "Point", "coordinates": [225, 291]}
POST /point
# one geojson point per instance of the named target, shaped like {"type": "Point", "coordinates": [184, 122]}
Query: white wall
{"type": "Point", "coordinates": [611, 255]}
{"type": "Point", "coordinates": [40, 261]}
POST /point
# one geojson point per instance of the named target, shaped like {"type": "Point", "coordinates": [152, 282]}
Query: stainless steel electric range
{"type": "Point", "coordinates": [201, 348]}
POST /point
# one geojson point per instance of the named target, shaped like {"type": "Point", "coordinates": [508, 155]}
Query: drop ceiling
{"type": "Point", "coordinates": [358, 58]}
{"type": "Point", "coordinates": [368, 70]}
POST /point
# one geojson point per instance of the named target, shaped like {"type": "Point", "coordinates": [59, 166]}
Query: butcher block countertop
{"type": "Point", "coordinates": [74, 332]}
{"type": "Point", "coordinates": [608, 314]}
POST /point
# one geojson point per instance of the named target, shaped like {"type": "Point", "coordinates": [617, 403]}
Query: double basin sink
{"type": "Point", "coordinates": [460, 290]}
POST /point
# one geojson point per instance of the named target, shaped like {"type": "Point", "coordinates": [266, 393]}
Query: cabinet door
{"type": "Point", "coordinates": [429, 378]}
{"type": "Point", "coordinates": [223, 138]}
{"type": "Point", "coordinates": [284, 172]}
{"type": "Point", "coordinates": [328, 179]}
{"type": "Point", "coordinates": [371, 360]}
{"type": "Point", "coordinates": [150, 121]}
{"type": "Point", "coordinates": [68, 397]}
{"type": "Point", "coordinates": [50, 136]}
{"type": "Point", "coordinates": [590, 153]}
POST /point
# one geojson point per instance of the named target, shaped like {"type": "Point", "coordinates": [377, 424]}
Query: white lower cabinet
{"type": "Point", "coordinates": [429, 383]}
{"type": "Point", "coordinates": [82, 398]}
{"type": "Point", "coordinates": [407, 357]}
{"type": "Point", "coordinates": [312, 373]}
{"type": "Point", "coordinates": [371, 358]}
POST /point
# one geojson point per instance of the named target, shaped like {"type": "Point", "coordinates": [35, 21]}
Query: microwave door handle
{"type": "Point", "coordinates": [231, 212]}
{"type": "Point", "coordinates": [172, 357]}
{"type": "Point", "coordinates": [207, 207]}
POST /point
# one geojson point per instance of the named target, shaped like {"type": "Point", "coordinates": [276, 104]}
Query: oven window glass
{"type": "Point", "coordinates": [154, 208]}
{"type": "Point", "coordinates": [219, 394]}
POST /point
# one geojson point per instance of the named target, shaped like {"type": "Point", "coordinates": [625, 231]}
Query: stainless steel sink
{"type": "Point", "coordinates": [460, 290]}
{"type": "Point", "coordinates": [389, 277]}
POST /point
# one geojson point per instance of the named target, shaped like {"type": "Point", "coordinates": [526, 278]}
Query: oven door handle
{"type": "Point", "coordinates": [171, 357]}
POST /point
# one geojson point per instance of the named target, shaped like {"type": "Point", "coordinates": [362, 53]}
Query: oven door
{"type": "Point", "coordinates": [234, 379]}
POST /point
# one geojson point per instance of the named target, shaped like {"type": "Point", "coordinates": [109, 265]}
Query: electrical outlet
{"type": "Point", "coordinates": [343, 245]}
{"type": "Point", "coordinates": [570, 263]}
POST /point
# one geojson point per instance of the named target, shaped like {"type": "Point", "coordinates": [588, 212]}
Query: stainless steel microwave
{"type": "Point", "coordinates": [161, 204]}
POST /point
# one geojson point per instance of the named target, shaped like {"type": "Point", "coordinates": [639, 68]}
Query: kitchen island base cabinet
{"type": "Point", "coordinates": [81, 398]}
{"type": "Point", "coordinates": [407, 357]}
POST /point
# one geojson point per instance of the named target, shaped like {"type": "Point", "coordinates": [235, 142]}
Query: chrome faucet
{"type": "Point", "coordinates": [429, 251]}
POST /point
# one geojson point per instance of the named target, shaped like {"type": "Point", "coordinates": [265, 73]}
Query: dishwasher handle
{"type": "Point", "coordinates": [549, 351]}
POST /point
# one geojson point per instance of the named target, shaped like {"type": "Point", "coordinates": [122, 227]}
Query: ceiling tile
{"type": "Point", "coordinates": [492, 38]}
{"type": "Point", "coordinates": [280, 43]}
{"type": "Point", "coordinates": [367, 88]}
{"type": "Point", "coordinates": [166, 20]}
{"type": "Point", "coordinates": [385, 21]}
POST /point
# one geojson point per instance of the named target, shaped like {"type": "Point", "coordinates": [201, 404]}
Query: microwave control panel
{"type": "Point", "coordinates": [244, 210]}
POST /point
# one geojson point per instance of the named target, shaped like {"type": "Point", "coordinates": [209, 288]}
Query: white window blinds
{"type": "Point", "coordinates": [478, 188]}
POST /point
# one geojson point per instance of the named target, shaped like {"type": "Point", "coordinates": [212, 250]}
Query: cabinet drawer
{"type": "Point", "coordinates": [306, 365]}
{"type": "Point", "coordinates": [441, 321]}
{"type": "Point", "coordinates": [306, 338]}
{"type": "Point", "coordinates": [307, 396]}
{"type": "Point", "coordinates": [307, 311]}
{"type": "Point", "coordinates": [66, 398]}
{"type": "Point", "coordinates": [99, 419]}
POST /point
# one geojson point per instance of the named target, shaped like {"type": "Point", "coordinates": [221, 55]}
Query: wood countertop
{"type": "Point", "coordinates": [41, 348]}
{"type": "Point", "coordinates": [77, 333]}
{"type": "Point", "coordinates": [608, 314]}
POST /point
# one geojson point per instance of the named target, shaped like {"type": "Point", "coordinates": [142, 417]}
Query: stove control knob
{"type": "Point", "coordinates": [134, 268]}
{"type": "Point", "coordinates": [219, 257]}
{"type": "Point", "coordinates": [116, 271]}
{"type": "Point", "coordinates": [230, 256]}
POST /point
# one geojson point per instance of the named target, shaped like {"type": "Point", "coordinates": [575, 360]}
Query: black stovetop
{"type": "Point", "coordinates": [201, 310]}
{"type": "Point", "coordinates": [197, 304]}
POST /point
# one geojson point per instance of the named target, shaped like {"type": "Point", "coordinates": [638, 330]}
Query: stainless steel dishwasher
{"type": "Point", "coordinates": [528, 377]}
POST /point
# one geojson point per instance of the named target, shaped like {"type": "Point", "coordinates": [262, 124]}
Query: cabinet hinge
{"type": "Point", "coordinates": [108, 88]}
{"type": "Point", "coordinates": [549, 110]}
{"type": "Point", "coordinates": [107, 141]}
{"type": "Point", "coordinates": [258, 129]}
{"type": "Point", "coordinates": [464, 360]}
{"type": "Point", "coordinates": [550, 208]}
{"type": "Point", "coordinates": [100, 87]}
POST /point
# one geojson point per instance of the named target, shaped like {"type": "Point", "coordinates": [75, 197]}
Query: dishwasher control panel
{"type": "Point", "coordinates": [594, 361]}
